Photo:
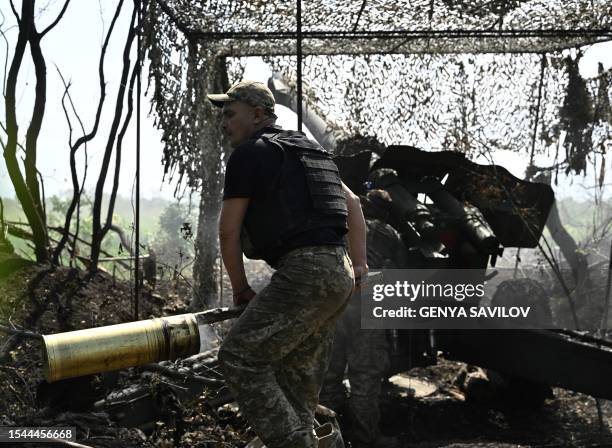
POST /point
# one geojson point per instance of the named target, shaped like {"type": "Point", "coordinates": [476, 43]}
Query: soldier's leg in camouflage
{"type": "Point", "coordinates": [368, 362]}
{"type": "Point", "coordinates": [290, 314]}
{"type": "Point", "coordinates": [333, 392]}
{"type": "Point", "coordinates": [301, 380]}
{"type": "Point", "coordinates": [301, 374]}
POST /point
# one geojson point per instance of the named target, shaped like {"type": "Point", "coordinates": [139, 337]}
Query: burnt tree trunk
{"type": "Point", "coordinates": [576, 259]}
{"type": "Point", "coordinates": [27, 188]}
{"type": "Point", "coordinates": [573, 255]}
{"type": "Point", "coordinates": [208, 139]}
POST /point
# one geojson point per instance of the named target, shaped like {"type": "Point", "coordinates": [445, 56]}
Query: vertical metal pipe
{"type": "Point", "coordinates": [137, 218]}
{"type": "Point", "coordinates": [299, 64]}
{"type": "Point", "coordinates": [537, 111]}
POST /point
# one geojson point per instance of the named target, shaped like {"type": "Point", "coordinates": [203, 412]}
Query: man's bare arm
{"type": "Point", "coordinates": [356, 232]}
{"type": "Point", "coordinates": [230, 224]}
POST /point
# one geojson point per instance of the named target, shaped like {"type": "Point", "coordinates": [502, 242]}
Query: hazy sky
{"type": "Point", "coordinates": [74, 47]}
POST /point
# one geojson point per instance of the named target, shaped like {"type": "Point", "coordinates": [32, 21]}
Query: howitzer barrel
{"type": "Point", "coordinates": [113, 347]}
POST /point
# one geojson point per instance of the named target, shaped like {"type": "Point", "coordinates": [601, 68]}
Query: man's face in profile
{"type": "Point", "coordinates": [240, 121]}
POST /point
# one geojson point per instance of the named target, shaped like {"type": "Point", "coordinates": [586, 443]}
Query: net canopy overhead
{"type": "Point", "coordinates": [470, 76]}
{"type": "Point", "coordinates": [264, 27]}
{"type": "Point", "coordinates": [473, 103]}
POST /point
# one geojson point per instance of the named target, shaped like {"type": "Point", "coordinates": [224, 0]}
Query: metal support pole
{"type": "Point", "coordinates": [538, 106]}
{"type": "Point", "coordinates": [299, 64]}
{"type": "Point", "coordinates": [137, 217]}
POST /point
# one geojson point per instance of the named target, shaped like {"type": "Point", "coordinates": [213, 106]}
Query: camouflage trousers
{"type": "Point", "coordinates": [275, 356]}
{"type": "Point", "coordinates": [364, 355]}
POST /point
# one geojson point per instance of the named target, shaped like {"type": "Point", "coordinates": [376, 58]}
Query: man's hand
{"type": "Point", "coordinates": [244, 297]}
{"type": "Point", "coordinates": [360, 272]}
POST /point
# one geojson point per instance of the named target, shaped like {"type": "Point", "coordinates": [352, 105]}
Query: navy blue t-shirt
{"type": "Point", "coordinates": [251, 170]}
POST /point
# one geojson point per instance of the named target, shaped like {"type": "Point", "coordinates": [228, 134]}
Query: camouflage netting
{"type": "Point", "coordinates": [404, 26]}
{"type": "Point", "coordinates": [469, 103]}
{"type": "Point", "coordinates": [473, 76]}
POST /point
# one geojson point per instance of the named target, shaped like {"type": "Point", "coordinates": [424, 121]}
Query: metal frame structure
{"type": "Point", "coordinates": [371, 27]}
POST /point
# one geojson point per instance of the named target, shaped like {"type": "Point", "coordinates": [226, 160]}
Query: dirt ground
{"type": "Point", "coordinates": [45, 301]}
{"type": "Point", "coordinates": [444, 419]}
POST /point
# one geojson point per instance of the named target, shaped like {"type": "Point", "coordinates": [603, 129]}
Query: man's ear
{"type": "Point", "coordinates": [260, 114]}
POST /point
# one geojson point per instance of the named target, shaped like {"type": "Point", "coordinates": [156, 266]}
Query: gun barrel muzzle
{"type": "Point", "coordinates": [94, 350]}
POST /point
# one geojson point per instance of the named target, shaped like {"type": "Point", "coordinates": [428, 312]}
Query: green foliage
{"type": "Point", "coordinates": [174, 242]}
{"type": "Point", "coordinates": [150, 211]}
{"type": "Point", "coordinates": [585, 220]}
{"type": "Point", "coordinates": [57, 207]}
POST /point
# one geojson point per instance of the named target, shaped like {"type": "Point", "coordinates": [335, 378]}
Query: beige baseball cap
{"type": "Point", "coordinates": [253, 93]}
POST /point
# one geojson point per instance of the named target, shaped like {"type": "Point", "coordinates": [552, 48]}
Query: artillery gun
{"type": "Point", "coordinates": [471, 214]}
{"type": "Point", "coordinates": [474, 212]}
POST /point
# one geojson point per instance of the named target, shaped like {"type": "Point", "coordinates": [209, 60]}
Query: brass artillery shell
{"type": "Point", "coordinates": [83, 352]}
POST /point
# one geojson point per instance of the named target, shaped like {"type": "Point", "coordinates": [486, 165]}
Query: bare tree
{"type": "Point", "coordinates": [115, 139]}
{"type": "Point", "coordinates": [25, 182]}
{"type": "Point", "coordinates": [82, 141]}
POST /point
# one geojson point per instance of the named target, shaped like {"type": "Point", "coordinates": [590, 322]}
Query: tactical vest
{"type": "Point", "coordinates": [305, 195]}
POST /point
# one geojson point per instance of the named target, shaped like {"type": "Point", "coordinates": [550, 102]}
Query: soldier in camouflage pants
{"type": "Point", "coordinates": [365, 352]}
{"type": "Point", "coordinates": [284, 337]}
{"type": "Point", "coordinates": [283, 202]}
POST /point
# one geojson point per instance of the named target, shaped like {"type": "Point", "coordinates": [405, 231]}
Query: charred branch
{"type": "Point", "coordinates": [175, 374]}
{"type": "Point", "coordinates": [42, 191]}
{"type": "Point", "coordinates": [83, 140]}
{"type": "Point", "coordinates": [56, 21]}
{"type": "Point", "coordinates": [122, 237]}
{"type": "Point", "coordinates": [15, 12]}
{"type": "Point", "coordinates": [107, 259]}
{"type": "Point", "coordinates": [73, 172]}
{"type": "Point", "coordinates": [19, 233]}
{"type": "Point", "coordinates": [26, 189]}
{"type": "Point", "coordinates": [66, 93]}
{"type": "Point", "coordinates": [98, 231]}
{"type": "Point", "coordinates": [5, 58]}
{"type": "Point", "coordinates": [20, 332]}
{"type": "Point", "coordinates": [576, 259]}
{"type": "Point", "coordinates": [14, 228]}
{"type": "Point", "coordinates": [38, 113]}
{"type": "Point", "coordinates": [126, 122]}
